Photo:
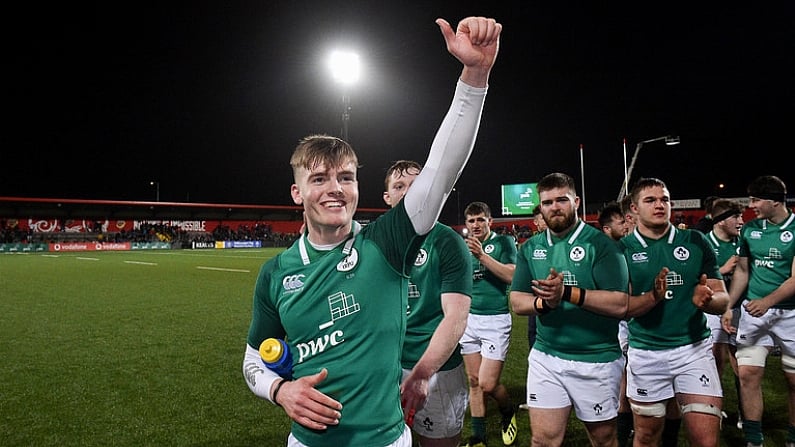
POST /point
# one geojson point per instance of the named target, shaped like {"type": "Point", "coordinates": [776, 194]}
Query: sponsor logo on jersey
{"type": "Point", "coordinates": [539, 253]}
{"type": "Point", "coordinates": [640, 257]}
{"type": "Point", "coordinates": [576, 253]}
{"type": "Point", "coordinates": [756, 234]}
{"type": "Point", "coordinates": [319, 345]}
{"type": "Point", "coordinates": [349, 262]}
{"type": "Point", "coordinates": [764, 263]}
{"type": "Point", "coordinates": [422, 257]}
{"type": "Point", "coordinates": [292, 283]}
{"type": "Point", "coordinates": [681, 253]}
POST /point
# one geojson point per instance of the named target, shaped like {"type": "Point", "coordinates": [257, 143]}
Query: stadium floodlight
{"type": "Point", "coordinates": [156, 184]}
{"type": "Point", "coordinates": [345, 70]}
{"type": "Point", "coordinates": [669, 141]}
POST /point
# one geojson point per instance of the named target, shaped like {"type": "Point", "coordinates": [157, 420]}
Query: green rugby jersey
{"type": "Point", "coordinates": [441, 267]}
{"type": "Point", "coordinates": [675, 321]}
{"type": "Point", "coordinates": [588, 259]}
{"type": "Point", "coordinates": [490, 293]}
{"type": "Point", "coordinates": [344, 310]}
{"type": "Point", "coordinates": [770, 251]}
{"type": "Point", "coordinates": [723, 251]}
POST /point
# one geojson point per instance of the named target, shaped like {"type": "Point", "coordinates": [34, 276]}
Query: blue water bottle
{"type": "Point", "coordinates": [275, 354]}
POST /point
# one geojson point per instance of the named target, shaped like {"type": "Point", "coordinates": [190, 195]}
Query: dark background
{"type": "Point", "coordinates": [210, 98]}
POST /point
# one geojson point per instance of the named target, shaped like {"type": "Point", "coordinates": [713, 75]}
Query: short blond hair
{"type": "Point", "coordinates": [314, 150]}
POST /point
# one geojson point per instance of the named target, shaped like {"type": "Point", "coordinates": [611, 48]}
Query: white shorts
{"type": "Point", "coordinates": [444, 410]}
{"type": "Point", "coordinates": [714, 325]}
{"type": "Point", "coordinates": [654, 376]}
{"type": "Point", "coordinates": [775, 327]}
{"type": "Point", "coordinates": [623, 336]}
{"type": "Point", "coordinates": [403, 441]}
{"type": "Point", "coordinates": [488, 334]}
{"type": "Point", "coordinates": [592, 388]}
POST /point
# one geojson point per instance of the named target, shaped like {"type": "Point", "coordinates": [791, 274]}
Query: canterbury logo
{"type": "Point", "coordinates": [293, 282]}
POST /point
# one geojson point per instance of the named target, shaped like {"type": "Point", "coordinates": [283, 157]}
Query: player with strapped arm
{"type": "Point", "coordinates": [674, 280]}
{"type": "Point", "coordinates": [343, 309]}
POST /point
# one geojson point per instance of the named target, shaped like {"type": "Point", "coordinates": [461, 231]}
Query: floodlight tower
{"type": "Point", "coordinates": [156, 184]}
{"type": "Point", "coordinates": [345, 69]}
{"type": "Point", "coordinates": [669, 141]}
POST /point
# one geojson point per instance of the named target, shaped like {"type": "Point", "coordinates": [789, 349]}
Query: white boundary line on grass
{"type": "Point", "coordinates": [222, 269]}
{"type": "Point", "coordinates": [140, 262]}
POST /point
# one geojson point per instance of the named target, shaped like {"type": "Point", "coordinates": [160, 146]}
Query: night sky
{"type": "Point", "coordinates": [210, 98]}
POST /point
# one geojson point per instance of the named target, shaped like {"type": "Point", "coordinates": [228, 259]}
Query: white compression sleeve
{"type": "Point", "coordinates": [258, 377]}
{"type": "Point", "coordinates": [449, 153]}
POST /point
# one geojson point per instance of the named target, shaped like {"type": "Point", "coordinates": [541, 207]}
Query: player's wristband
{"type": "Point", "coordinates": [276, 391]}
{"type": "Point", "coordinates": [538, 304]}
{"type": "Point", "coordinates": [574, 295]}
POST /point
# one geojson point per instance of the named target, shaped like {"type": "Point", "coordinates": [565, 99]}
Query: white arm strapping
{"type": "Point", "coordinates": [258, 377]}
{"type": "Point", "coordinates": [449, 153]}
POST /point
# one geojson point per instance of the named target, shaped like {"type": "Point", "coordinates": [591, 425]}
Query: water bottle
{"type": "Point", "coordinates": [275, 354]}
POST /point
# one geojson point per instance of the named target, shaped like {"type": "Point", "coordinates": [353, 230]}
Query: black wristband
{"type": "Point", "coordinates": [566, 293]}
{"type": "Point", "coordinates": [276, 391]}
{"type": "Point", "coordinates": [538, 304]}
{"type": "Point", "coordinates": [574, 295]}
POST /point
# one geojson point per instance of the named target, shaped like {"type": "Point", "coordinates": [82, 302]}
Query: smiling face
{"type": "Point", "coordinates": [324, 169]}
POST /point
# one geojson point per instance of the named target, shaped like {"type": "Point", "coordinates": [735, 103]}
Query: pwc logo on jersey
{"type": "Point", "coordinates": [350, 261]}
{"type": "Point", "coordinates": [577, 253]}
{"type": "Point", "coordinates": [681, 253]}
{"type": "Point", "coordinates": [292, 283]}
{"type": "Point", "coordinates": [786, 237]}
{"type": "Point", "coordinates": [422, 258]}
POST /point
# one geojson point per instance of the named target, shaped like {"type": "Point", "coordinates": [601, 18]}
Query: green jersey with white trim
{"type": "Point", "coordinates": [674, 321]}
{"type": "Point", "coordinates": [723, 251]}
{"type": "Point", "coordinates": [344, 310]}
{"type": "Point", "coordinates": [441, 267]}
{"type": "Point", "coordinates": [770, 251]}
{"type": "Point", "coordinates": [490, 293]}
{"type": "Point", "coordinates": [588, 259]}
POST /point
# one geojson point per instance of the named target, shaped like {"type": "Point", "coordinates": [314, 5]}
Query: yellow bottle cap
{"type": "Point", "coordinates": [270, 350]}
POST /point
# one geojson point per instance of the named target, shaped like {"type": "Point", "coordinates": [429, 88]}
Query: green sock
{"type": "Point", "coordinates": [479, 427]}
{"type": "Point", "coordinates": [670, 434]}
{"type": "Point", "coordinates": [753, 431]}
{"type": "Point", "coordinates": [624, 428]}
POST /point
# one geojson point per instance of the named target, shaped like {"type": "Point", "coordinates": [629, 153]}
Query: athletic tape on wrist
{"type": "Point", "coordinates": [574, 295]}
{"type": "Point", "coordinates": [538, 304]}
